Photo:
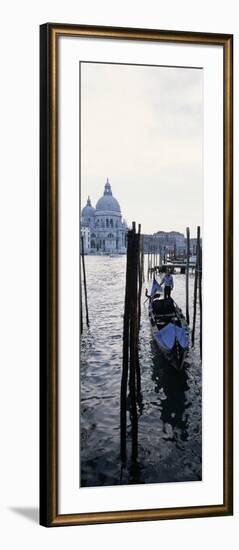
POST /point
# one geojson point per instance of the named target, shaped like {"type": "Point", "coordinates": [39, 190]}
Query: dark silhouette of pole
{"type": "Point", "coordinates": [136, 320]}
{"type": "Point", "coordinates": [125, 366]}
{"type": "Point", "coordinates": [131, 366]}
{"type": "Point", "coordinates": [187, 274]}
{"type": "Point", "coordinates": [200, 294]}
{"type": "Point", "coordinates": [139, 254]}
{"type": "Point", "coordinates": [134, 343]}
{"type": "Point", "coordinates": [81, 312]}
{"type": "Point", "coordinates": [154, 260]}
{"type": "Point", "coordinates": [196, 286]}
{"type": "Point", "coordinates": [142, 258]}
{"type": "Point", "coordinates": [151, 259]}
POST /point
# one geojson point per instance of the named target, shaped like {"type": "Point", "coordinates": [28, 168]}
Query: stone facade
{"type": "Point", "coordinates": [102, 227]}
{"type": "Point", "coordinates": [170, 241]}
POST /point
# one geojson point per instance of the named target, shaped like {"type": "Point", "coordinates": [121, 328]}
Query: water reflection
{"type": "Point", "coordinates": [172, 386]}
{"type": "Point", "coordinates": [169, 408]}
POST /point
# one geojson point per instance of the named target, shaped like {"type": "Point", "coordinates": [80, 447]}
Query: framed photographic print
{"type": "Point", "coordinates": [136, 275]}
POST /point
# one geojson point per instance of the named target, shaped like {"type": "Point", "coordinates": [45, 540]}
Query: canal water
{"type": "Point", "coordinates": [169, 426]}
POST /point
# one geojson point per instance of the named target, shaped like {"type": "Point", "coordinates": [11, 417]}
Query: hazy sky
{"type": "Point", "coordinates": [142, 128]}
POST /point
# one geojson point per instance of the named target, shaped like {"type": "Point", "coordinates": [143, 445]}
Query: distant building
{"type": "Point", "coordinates": [171, 240]}
{"type": "Point", "coordinates": [168, 241]}
{"type": "Point", "coordinates": [102, 227]}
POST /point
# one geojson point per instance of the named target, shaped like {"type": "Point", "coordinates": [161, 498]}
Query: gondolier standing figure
{"type": "Point", "coordinates": [168, 284]}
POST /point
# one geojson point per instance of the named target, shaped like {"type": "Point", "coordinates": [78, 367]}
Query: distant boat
{"type": "Point", "coordinates": [169, 327]}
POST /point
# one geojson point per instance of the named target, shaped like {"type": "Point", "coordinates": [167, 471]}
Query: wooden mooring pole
{"type": "Point", "coordinates": [200, 295]}
{"type": "Point", "coordinates": [149, 277]}
{"type": "Point", "coordinates": [139, 252]}
{"type": "Point", "coordinates": [196, 285]}
{"type": "Point", "coordinates": [134, 343]}
{"type": "Point", "coordinates": [131, 367]}
{"type": "Point", "coordinates": [150, 262]}
{"type": "Point", "coordinates": [125, 366]}
{"type": "Point", "coordinates": [187, 273]}
{"type": "Point", "coordinates": [81, 312]}
{"type": "Point", "coordinates": [142, 257]}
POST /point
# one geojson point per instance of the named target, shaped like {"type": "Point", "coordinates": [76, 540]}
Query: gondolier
{"type": "Point", "coordinates": [168, 284]}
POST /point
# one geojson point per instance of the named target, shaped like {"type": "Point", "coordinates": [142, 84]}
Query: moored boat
{"type": "Point", "coordinates": [169, 327]}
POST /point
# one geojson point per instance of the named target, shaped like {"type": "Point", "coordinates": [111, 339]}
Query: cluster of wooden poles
{"type": "Point", "coordinates": [130, 381]}
{"type": "Point", "coordinates": [154, 259]}
{"type": "Point", "coordinates": [83, 276]}
{"type": "Point", "coordinates": [197, 287]}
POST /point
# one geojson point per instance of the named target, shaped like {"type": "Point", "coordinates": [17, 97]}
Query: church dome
{"type": "Point", "coordinates": [88, 211]}
{"type": "Point", "coordinates": [108, 202]}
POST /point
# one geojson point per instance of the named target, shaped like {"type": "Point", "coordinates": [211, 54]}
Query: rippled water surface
{"type": "Point", "coordinates": [169, 427]}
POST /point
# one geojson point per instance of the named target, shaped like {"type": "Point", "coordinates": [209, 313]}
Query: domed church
{"type": "Point", "coordinates": [102, 227]}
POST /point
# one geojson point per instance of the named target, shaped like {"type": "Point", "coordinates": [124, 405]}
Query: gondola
{"type": "Point", "coordinates": [169, 327]}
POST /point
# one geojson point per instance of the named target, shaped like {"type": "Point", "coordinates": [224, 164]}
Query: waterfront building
{"type": "Point", "coordinates": [173, 241]}
{"type": "Point", "coordinates": [168, 241]}
{"type": "Point", "coordinates": [106, 229]}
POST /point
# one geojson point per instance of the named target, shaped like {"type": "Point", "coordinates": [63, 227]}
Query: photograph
{"type": "Point", "coordinates": [141, 278]}
{"type": "Point", "coordinates": [136, 217]}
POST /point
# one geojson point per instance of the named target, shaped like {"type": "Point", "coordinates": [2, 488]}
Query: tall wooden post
{"type": "Point", "coordinates": [124, 378]}
{"type": "Point", "coordinates": [150, 262]}
{"type": "Point", "coordinates": [187, 274]}
{"type": "Point", "coordinates": [139, 284]}
{"type": "Point", "coordinates": [200, 295]}
{"type": "Point", "coordinates": [81, 312]}
{"type": "Point", "coordinates": [131, 367]}
{"type": "Point", "coordinates": [196, 285]}
{"type": "Point", "coordinates": [140, 254]}
{"type": "Point", "coordinates": [154, 254]}
{"type": "Point", "coordinates": [142, 258]}
{"type": "Point", "coordinates": [133, 346]}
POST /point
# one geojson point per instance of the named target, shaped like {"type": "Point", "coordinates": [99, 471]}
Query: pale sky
{"type": "Point", "coordinates": [142, 127]}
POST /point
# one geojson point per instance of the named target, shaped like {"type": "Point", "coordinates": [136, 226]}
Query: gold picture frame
{"type": "Point", "coordinates": [49, 38]}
